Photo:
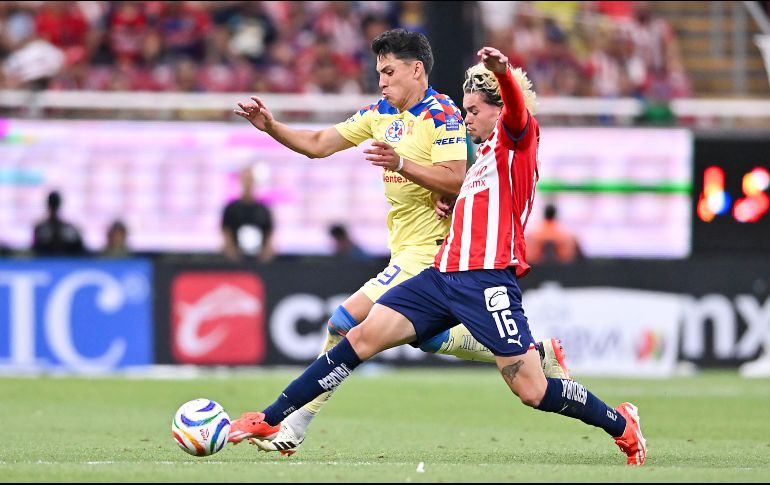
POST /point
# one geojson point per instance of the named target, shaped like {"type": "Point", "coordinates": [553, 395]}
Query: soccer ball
{"type": "Point", "coordinates": [201, 427]}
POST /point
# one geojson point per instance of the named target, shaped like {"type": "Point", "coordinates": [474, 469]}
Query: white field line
{"type": "Point", "coordinates": [204, 462]}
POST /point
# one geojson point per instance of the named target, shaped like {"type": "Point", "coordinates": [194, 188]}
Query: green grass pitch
{"type": "Point", "coordinates": [464, 425]}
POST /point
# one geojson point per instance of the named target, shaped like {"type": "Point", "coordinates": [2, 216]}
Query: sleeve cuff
{"type": "Point", "coordinates": [523, 132]}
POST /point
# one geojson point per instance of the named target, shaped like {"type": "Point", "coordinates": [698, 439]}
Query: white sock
{"type": "Point", "coordinates": [299, 421]}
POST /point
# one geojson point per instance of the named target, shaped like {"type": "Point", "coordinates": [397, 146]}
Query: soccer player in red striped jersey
{"type": "Point", "coordinates": [497, 195]}
{"type": "Point", "coordinates": [475, 275]}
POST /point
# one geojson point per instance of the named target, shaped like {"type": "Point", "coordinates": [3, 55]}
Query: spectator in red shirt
{"type": "Point", "coordinates": [127, 27]}
{"type": "Point", "coordinates": [62, 24]}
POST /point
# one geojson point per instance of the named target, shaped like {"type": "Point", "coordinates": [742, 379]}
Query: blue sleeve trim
{"type": "Point", "coordinates": [523, 132]}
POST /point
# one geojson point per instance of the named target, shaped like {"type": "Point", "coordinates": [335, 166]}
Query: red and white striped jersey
{"type": "Point", "coordinates": [495, 201]}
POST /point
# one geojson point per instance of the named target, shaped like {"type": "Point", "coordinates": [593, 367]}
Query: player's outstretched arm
{"type": "Point", "coordinates": [514, 113]}
{"type": "Point", "coordinates": [312, 144]}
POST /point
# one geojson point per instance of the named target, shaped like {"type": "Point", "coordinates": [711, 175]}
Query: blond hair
{"type": "Point", "coordinates": [479, 79]}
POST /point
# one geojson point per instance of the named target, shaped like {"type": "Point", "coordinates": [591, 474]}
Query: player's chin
{"type": "Point", "coordinates": [476, 139]}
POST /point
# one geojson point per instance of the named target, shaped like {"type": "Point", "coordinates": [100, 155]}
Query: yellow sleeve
{"type": "Point", "coordinates": [358, 128]}
{"type": "Point", "coordinates": [449, 141]}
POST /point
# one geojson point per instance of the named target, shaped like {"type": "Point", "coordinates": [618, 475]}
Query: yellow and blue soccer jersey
{"type": "Point", "coordinates": [430, 132]}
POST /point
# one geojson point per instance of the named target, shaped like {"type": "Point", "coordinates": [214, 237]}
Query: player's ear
{"type": "Point", "coordinates": [418, 69]}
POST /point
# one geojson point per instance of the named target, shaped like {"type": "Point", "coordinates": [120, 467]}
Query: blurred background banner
{"type": "Point", "coordinates": [625, 190]}
{"type": "Point", "coordinates": [619, 332]}
{"type": "Point", "coordinates": [75, 316]}
{"type": "Point", "coordinates": [295, 306]}
{"type": "Point", "coordinates": [712, 313]}
{"type": "Point", "coordinates": [639, 318]}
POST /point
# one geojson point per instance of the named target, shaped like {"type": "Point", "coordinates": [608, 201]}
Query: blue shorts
{"type": "Point", "coordinates": [487, 302]}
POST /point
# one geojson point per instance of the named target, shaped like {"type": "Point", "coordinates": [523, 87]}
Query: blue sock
{"type": "Point", "coordinates": [567, 397]}
{"type": "Point", "coordinates": [326, 373]}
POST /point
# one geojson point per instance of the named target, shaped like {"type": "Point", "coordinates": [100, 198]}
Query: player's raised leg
{"type": "Point", "coordinates": [343, 319]}
{"type": "Point", "coordinates": [383, 328]}
{"type": "Point", "coordinates": [490, 303]}
{"type": "Point", "coordinates": [525, 378]}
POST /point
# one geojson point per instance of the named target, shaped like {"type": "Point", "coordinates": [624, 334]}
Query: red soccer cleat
{"type": "Point", "coordinates": [252, 425]}
{"type": "Point", "coordinates": [632, 443]}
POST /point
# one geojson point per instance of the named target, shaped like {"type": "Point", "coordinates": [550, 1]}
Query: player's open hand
{"type": "Point", "coordinates": [257, 113]}
{"type": "Point", "coordinates": [383, 155]}
{"type": "Point", "coordinates": [493, 59]}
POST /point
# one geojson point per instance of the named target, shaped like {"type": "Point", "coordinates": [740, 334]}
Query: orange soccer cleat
{"type": "Point", "coordinates": [632, 443]}
{"type": "Point", "coordinates": [252, 425]}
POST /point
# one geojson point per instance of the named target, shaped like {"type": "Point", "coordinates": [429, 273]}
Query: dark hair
{"type": "Point", "coordinates": [550, 212]}
{"type": "Point", "coordinates": [54, 201]}
{"type": "Point", "coordinates": [404, 46]}
{"type": "Point", "coordinates": [117, 225]}
{"type": "Point", "coordinates": [338, 231]}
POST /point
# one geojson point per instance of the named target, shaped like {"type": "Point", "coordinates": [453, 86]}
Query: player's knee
{"type": "Point", "coordinates": [528, 392]}
{"type": "Point", "coordinates": [530, 395]}
{"type": "Point", "coordinates": [362, 343]}
{"type": "Point", "coordinates": [434, 344]}
{"type": "Point", "coordinates": [341, 322]}
{"type": "Point", "coordinates": [530, 398]}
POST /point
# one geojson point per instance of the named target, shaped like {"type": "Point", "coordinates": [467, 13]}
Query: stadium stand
{"type": "Point", "coordinates": [646, 62]}
{"type": "Point", "coordinates": [306, 47]}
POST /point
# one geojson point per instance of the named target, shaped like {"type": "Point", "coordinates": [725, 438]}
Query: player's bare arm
{"type": "Point", "coordinates": [514, 112]}
{"type": "Point", "coordinates": [311, 143]}
{"type": "Point", "coordinates": [444, 178]}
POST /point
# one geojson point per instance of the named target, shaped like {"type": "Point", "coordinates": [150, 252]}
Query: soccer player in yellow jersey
{"type": "Point", "coordinates": [420, 142]}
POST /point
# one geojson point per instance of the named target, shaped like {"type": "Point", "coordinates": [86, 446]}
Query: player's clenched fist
{"type": "Point", "coordinates": [493, 59]}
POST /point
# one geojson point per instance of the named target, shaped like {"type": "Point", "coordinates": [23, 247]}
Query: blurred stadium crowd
{"type": "Point", "coordinates": [621, 48]}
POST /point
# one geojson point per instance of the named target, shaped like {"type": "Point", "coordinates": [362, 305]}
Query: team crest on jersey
{"type": "Point", "coordinates": [395, 131]}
